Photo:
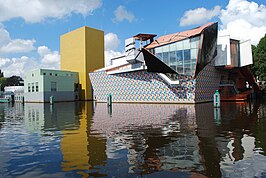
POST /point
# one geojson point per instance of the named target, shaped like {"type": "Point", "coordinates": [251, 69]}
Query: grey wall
{"type": "Point", "coordinates": [33, 96]}
{"type": "Point", "coordinates": [45, 96]}
{"type": "Point", "coordinates": [59, 96]}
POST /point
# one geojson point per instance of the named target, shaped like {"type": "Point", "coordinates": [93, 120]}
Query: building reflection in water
{"type": "Point", "coordinates": [180, 137]}
{"type": "Point", "coordinates": [196, 140]}
{"type": "Point", "coordinates": [155, 137]}
{"type": "Point", "coordinates": [81, 150]}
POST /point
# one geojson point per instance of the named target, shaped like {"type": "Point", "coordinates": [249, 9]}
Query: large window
{"type": "Point", "coordinates": [53, 86]}
{"type": "Point", "coordinates": [32, 87]}
{"type": "Point", "coordinates": [37, 87]}
{"type": "Point", "coordinates": [28, 87]}
{"type": "Point", "coordinates": [180, 56]}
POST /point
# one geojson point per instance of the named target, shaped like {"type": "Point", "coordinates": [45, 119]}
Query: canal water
{"type": "Point", "coordinates": [86, 139]}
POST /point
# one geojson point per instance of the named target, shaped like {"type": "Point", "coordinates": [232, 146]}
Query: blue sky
{"type": "Point", "coordinates": [30, 29]}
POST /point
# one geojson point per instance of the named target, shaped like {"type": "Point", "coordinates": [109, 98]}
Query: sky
{"type": "Point", "coordinates": [30, 29]}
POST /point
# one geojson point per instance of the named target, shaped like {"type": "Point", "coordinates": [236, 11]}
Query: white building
{"type": "Point", "coordinates": [17, 91]}
{"type": "Point", "coordinates": [41, 84]}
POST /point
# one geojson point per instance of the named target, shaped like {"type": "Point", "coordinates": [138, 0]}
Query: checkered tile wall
{"type": "Point", "coordinates": [143, 86]}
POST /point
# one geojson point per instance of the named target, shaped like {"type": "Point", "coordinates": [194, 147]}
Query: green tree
{"type": "Point", "coordinates": [10, 81]}
{"type": "Point", "coordinates": [2, 83]}
{"type": "Point", "coordinates": [259, 56]}
{"type": "Point", "coordinates": [14, 81]}
{"type": "Point", "coordinates": [1, 73]}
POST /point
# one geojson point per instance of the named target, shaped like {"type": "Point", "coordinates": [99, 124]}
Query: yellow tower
{"type": "Point", "coordinates": [82, 50]}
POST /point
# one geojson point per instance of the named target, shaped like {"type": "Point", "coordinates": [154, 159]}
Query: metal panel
{"type": "Point", "coordinates": [154, 64]}
{"type": "Point", "coordinates": [208, 47]}
{"type": "Point", "coordinates": [245, 53]}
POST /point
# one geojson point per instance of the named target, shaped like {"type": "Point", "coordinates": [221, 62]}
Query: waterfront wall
{"type": "Point", "coordinates": [207, 82]}
{"type": "Point", "coordinates": [40, 97]}
{"type": "Point", "coordinates": [143, 86]}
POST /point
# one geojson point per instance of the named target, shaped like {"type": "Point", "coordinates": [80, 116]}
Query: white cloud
{"type": "Point", "coordinates": [4, 36]}
{"type": "Point", "coordinates": [43, 50]}
{"type": "Point", "coordinates": [18, 46]}
{"type": "Point", "coordinates": [199, 16]}
{"type": "Point", "coordinates": [110, 54]}
{"type": "Point", "coordinates": [19, 66]}
{"type": "Point", "coordinates": [244, 20]}
{"type": "Point", "coordinates": [4, 62]}
{"type": "Point", "coordinates": [122, 14]}
{"type": "Point", "coordinates": [8, 45]}
{"type": "Point", "coordinates": [240, 19]}
{"type": "Point", "coordinates": [111, 41]}
{"type": "Point", "coordinates": [48, 58]}
{"type": "Point", "coordinates": [38, 10]}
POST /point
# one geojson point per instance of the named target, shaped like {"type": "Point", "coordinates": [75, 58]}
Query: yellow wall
{"type": "Point", "coordinates": [82, 50]}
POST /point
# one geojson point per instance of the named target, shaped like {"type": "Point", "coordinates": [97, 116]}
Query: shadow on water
{"type": "Point", "coordinates": [85, 139]}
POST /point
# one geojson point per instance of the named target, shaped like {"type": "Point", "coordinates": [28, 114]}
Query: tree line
{"type": "Point", "coordinates": [259, 61]}
{"type": "Point", "coordinates": [9, 81]}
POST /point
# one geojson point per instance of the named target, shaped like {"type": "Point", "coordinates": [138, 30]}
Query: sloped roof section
{"type": "Point", "coordinates": [154, 64]}
{"type": "Point", "coordinates": [171, 38]}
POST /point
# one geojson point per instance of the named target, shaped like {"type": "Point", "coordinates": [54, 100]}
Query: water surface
{"type": "Point", "coordinates": [86, 139]}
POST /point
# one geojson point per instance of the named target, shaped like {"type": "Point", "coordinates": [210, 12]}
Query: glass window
{"type": "Point", "coordinates": [44, 73]}
{"type": "Point", "coordinates": [179, 55]}
{"type": "Point", "coordinates": [53, 86]}
{"type": "Point", "coordinates": [159, 50]}
{"type": "Point", "coordinates": [187, 54]}
{"type": "Point", "coordinates": [172, 47]}
{"type": "Point", "coordinates": [194, 42]}
{"type": "Point", "coordinates": [186, 44]}
{"type": "Point", "coordinates": [159, 55]}
{"type": "Point", "coordinates": [32, 87]}
{"type": "Point", "coordinates": [37, 87]}
{"type": "Point", "coordinates": [50, 73]}
{"type": "Point", "coordinates": [28, 87]}
{"type": "Point", "coordinates": [172, 58]}
{"type": "Point", "coordinates": [166, 48]}
{"type": "Point", "coordinates": [194, 53]}
{"type": "Point", "coordinates": [179, 45]}
{"type": "Point", "coordinates": [166, 57]}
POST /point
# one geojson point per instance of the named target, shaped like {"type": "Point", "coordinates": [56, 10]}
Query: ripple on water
{"type": "Point", "coordinates": [73, 140]}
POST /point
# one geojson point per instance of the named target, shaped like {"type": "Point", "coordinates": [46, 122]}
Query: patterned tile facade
{"type": "Point", "coordinates": [207, 82]}
{"type": "Point", "coordinates": [143, 86]}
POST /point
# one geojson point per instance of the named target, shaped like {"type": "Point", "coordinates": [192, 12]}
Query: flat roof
{"type": "Point", "coordinates": [144, 37]}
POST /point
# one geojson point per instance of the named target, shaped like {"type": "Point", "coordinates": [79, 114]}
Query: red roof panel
{"type": "Point", "coordinates": [171, 38]}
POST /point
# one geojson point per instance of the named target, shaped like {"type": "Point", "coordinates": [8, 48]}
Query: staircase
{"type": "Point", "coordinates": [229, 92]}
